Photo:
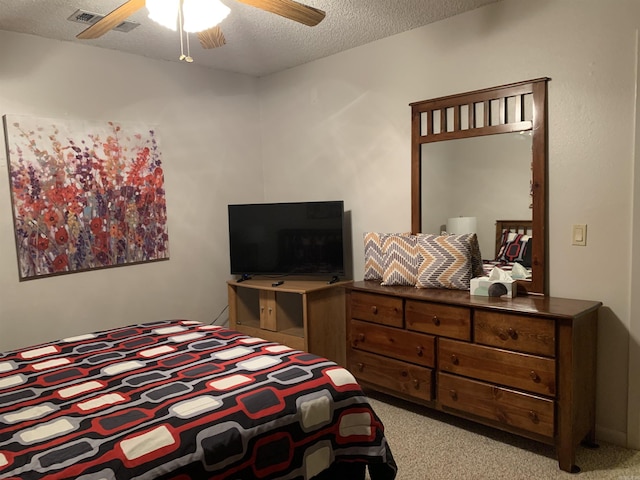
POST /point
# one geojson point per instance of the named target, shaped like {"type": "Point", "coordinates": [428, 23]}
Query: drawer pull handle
{"type": "Point", "coordinates": [435, 320]}
{"type": "Point", "coordinates": [453, 394]}
{"type": "Point", "coordinates": [534, 416]}
{"type": "Point", "coordinates": [416, 383]}
{"type": "Point", "coordinates": [534, 376]}
{"type": "Point", "coordinates": [419, 350]}
{"type": "Point", "coordinates": [361, 337]}
{"type": "Point", "coordinates": [270, 310]}
{"type": "Point", "coordinates": [360, 366]}
{"type": "Point", "coordinates": [374, 309]}
{"type": "Point", "coordinates": [454, 359]}
{"type": "Point", "coordinates": [509, 334]}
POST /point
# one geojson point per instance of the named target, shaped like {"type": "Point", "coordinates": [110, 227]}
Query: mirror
{"type": "Point", "coordinates": [484, 154]}
{"type": "Point", "coordinates": [487, 178]}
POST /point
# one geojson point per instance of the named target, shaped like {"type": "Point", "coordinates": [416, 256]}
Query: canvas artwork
{"type": "Point", "coordinates": [84, 195]}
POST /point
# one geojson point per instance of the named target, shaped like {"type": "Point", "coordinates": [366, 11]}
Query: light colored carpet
{"type": "Point", "coordinates": [431, 445]}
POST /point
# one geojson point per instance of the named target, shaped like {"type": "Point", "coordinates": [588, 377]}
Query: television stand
{"type": "Point", "coordinates": [304, 314]}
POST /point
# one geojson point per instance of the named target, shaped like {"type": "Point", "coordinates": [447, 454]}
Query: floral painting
{"type": "Point", "coordinates": [84, 196]}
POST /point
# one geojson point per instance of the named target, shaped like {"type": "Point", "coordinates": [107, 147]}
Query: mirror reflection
{"type": "Point", "coordinates": [487, 177]}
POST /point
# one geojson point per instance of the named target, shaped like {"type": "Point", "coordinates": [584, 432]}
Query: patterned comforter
{"type": "Point", "coordinates": [183, 400]}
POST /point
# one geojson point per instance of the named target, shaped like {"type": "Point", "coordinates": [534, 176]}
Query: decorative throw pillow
{"type": "Point", "coordinates": [373, 256]}
{"type": "Point", "coordinates": [477, 267]}
{"type": "Point", "coordinates": [401, 260]}
{"type": "Point", "coordinates": [516, 247]}
{"type": "Point", "coordinates": [446, 261]}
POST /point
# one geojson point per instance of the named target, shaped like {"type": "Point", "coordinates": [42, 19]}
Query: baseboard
{"type": "Point", "coordinates": [608, 435]}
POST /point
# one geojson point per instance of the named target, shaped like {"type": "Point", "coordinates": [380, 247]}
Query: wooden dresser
{"type": "Point", "coordinates": [526, 365]}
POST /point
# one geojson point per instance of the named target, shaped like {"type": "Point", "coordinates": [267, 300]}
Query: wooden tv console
{"type": "Point", "coordinates": [304, 314]}
{"type": "Point", "coordinates": [526, 365]}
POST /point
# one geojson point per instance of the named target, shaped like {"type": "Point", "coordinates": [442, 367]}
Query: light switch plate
{"type": "Point", "coordinates": [579, 235]}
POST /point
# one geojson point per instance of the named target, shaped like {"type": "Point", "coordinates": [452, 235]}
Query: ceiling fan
{"type": "Point", "coordinates": [212, 37]}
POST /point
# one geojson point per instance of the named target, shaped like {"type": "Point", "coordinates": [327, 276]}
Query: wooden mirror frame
{"type": "Point", "coordinates": [504, 97]}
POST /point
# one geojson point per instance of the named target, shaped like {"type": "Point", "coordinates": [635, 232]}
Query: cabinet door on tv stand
{"type": "Point", "coordinates": [326, 327]}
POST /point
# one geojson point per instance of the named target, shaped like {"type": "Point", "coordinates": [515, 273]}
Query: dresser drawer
{"type": "Point", "coordinates": [405, 378]}
{"type": "Point", "coordinates": [518, 370]}
{"type": "Point", "coordinates": [393, 342]}
{"type": "Point", "coordinates": [438, 319]}
{"type": "Point", "coordinates": [516, 409]}
{"type": "Point", "coordinates": [515, 332]}
{"type": "Point", "coordinates": [377, 308]}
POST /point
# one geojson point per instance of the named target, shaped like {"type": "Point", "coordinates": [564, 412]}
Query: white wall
{"type": "Point", "coordinates": [340, 127]}
{"type": "Point", "coordinates": [207, 127]}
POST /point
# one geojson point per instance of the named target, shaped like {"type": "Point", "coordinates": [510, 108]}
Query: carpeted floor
{"type": "Point", "coordinates": [430, 445]}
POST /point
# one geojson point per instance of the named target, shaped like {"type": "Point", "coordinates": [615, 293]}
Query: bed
{"type": "Point", "coordinates": [183, 400]}
{"type": "Point", "coordinates": [512, 244]}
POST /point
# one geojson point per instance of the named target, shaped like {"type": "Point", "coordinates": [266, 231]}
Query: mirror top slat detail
{"type": "Point", "coordinates": [482, 112]}
{"type": "Point", "coordinates": [482, 95]}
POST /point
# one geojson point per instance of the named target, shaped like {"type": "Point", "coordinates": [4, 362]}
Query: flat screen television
{"type": "Point", "coordinates": [296, 238]}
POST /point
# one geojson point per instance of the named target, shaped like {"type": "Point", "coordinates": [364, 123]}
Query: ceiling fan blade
{"type": "Point", "coordinates": [289, 9]}
{"type": "Point", "coordinates": [111, 20]}
{"type": "Point", "coordinates": [212, 37]}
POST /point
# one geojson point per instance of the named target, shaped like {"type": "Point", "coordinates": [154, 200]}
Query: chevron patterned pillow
{"type": "Point", "coordinates": [446, 261]}
{"type": "Point", "coordinates": [477, 269]}
{"type": "Point", "coordinates": [373, 255]}
{"type": "Point", "coordinates": [401, 260]}
{"type": "Point", "coordinates": [373, 258]}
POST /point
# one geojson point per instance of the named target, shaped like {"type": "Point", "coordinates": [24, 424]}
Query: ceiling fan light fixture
{"type": "Point", "coordinates": [200, 15]}
{"type": "Point", "coordinates": [164, 12]}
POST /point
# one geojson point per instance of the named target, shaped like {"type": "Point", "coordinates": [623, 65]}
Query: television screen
{"type": "Point", "coordinates": [301, 238]}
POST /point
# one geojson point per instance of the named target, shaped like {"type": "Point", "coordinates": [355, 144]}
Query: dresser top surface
{"type": "Point", "coordinates": [538, 305]}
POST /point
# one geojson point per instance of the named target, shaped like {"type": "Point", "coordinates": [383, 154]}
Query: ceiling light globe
{"type": "Point", "coordinates": [201, 15]}
{"type": "Point", "coordinates": [164, 12]}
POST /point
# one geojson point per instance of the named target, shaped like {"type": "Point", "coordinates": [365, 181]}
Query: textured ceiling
{"type": "Point", "coordinates": [258, 43]}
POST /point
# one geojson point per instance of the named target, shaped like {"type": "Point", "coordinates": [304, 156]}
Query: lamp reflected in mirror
{"type": "Point", "coordinates": [461, 225]}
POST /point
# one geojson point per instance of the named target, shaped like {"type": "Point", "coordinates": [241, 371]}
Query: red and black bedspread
{"type": "Point", "coordinates": [183, 400]}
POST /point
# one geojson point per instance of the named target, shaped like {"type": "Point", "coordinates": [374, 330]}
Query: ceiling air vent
{"type": "Point", "coordinates": [88, 18]}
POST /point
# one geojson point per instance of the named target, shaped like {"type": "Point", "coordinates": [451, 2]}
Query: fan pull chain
{"type": "Point", "coordinates": [187, 58]}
